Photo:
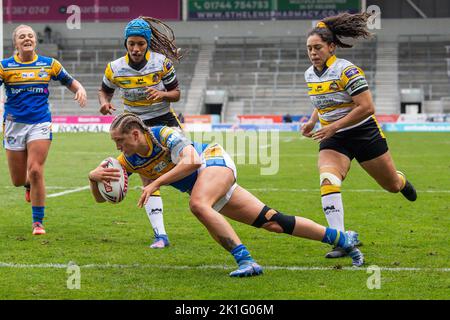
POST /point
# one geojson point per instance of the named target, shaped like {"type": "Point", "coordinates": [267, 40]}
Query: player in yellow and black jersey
{"type": "Point", "coordinates": [343, 104]}
{"type": "Point", "coordinates": [146, 80]}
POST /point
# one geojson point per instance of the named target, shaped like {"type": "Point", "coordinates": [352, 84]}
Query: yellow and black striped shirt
{"type": "Point", "coordinates": [331, 90]}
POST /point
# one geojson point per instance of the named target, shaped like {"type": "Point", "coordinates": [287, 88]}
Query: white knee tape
{"type": "Point", "coordinates": [335, 181]}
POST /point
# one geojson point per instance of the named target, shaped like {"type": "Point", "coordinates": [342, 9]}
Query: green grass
{"type": "Point", "coordinates": [395, 233]}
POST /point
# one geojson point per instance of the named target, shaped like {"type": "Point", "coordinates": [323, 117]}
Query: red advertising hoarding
{"type": "Point", "coordinates": [91, 10]}
{"type": "Point", "coordinates": [264, 118]}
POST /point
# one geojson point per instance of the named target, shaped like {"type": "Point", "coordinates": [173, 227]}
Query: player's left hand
{"type": "Point", "coordinates": [153, 94]}
{"type": "Point", "coordinates": [81, 97]}
{"type": "Point", "coordinates": [324, 133]}
{"type": "Point", "coordinates": [147, 192]}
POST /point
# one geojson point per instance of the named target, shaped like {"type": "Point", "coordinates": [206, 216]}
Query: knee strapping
{"type": "Point", "coordinates": [334, 180]}
{"type": "Point", "coordinates": [333, 187]}
{"type": "Point", "coordinates": [287, 223]}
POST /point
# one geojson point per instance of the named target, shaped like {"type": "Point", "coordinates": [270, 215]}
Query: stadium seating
{"type": "Point", "coordinates": [423, 64]}
{"type": "Point", "coordinates": [86, 60]}
{"type": "Point", "coordinates": [267, 75]}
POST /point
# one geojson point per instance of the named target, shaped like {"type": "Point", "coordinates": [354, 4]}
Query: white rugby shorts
{"type": "Point", "coordinates": [16, 135]}
{"type": "Point", "coordinates": [215, 155]}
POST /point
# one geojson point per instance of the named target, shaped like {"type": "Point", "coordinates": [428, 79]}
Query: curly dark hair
{"type": "Point", "coordinates": [343, 25]}
{"type": "Point", "coordinates": [163, 42]}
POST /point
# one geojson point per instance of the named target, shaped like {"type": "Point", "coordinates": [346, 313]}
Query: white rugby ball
{"type": "Point", "coordinates": [114, 191]}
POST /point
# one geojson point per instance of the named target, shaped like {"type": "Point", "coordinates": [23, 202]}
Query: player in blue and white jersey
{"type": "Point", "coordinates": [343, 104]}
{"type": "Point", "coordinates": [27, 120]}
{"type": "Point", "coordinates": [209, 175]}
{"type": "Point", "coordinates": [147, 83]}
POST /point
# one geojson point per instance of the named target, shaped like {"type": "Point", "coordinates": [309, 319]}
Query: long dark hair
{"type": "Point", "coordinates": [343, 25]}
{"type": "Point", "coordinates": [163, 42]}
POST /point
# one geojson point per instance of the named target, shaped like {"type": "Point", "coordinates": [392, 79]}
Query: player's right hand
{"type": "Point", "coordinates": [307, 128]}
{"type": "Point", "coordinates": [107, 108]}
{"type": "Point", "coordinates": [102, 174]}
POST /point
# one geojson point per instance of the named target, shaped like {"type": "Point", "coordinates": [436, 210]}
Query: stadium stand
{"type": "Point", "coordinates": [266, 75]}
{"type": "Point", "coordinates": [86, 60]}
{"type": "Point", "coordinates": [423, 64]}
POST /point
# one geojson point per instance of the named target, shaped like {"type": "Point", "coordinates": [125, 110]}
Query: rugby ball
{"type": "Point", "coordinates": [114, 191]}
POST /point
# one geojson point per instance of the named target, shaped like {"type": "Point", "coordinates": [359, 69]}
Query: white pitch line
{"type": "Point", "coordinates": [54, 195]}
{"type": "Point", "coordinates": [345, 190]}
{"type": "Point", "coordinates": [47, 187]}
{"type": "Point", "coordinates": [202, 267]}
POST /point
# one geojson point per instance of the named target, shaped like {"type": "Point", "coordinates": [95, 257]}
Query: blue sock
{"type": "Point", "coordinates": [38, 214]}
{"type": "Point", "coordinates": [334, 237]}
{"type": "Point", "coordinates": [241, 254]}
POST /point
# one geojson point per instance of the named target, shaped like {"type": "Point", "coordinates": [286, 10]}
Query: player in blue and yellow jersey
{"type": "Point", "coordinates": [343, 104]}
{"type": "Point", "coordinates": [27, 119]}
{"type": "Point", "coordinates": [147, 83]}
{"type": "Point", "coordinates": [208, 174]}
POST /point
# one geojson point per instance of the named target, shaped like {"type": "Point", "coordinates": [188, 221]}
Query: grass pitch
{"type": "Point", "coordinates": [409, 241]}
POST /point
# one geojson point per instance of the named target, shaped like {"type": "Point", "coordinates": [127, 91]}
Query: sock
{"type": "Point", "coordinates": [334, 237]}
{"type": "Point", "coordinates": [402, 177]}
{"type": "Point", "coordinates": [241, 254]}
{"type": "Point", "coordinates": [154, 209]}
{"type": "Point", "coordinates": [332, 206]}
{"type": "Point", "coordinates": [38, 214]}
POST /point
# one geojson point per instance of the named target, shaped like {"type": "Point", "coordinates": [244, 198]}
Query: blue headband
{"type": "Point", "coordinates": [140, 28]}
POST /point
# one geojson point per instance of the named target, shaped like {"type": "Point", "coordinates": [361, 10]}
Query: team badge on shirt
{"type": "Point", "coordinates": [351, 72]}
{"type": "Point", "coordinates": [334, 86]}
{"type": "Point", "coordinates": [42, 73]}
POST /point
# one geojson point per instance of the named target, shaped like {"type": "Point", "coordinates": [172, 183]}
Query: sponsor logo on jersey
{"type": "Point", "coordinates": [155, 78]}
{"type": "Point", "coordinates": [172, 140]}
{"type": "Point", "coordinates": [140, 81]}
{"type": "Point", "coordinates": [12, 64]}
{"type": "Point", "coordinates": [42, 73]}
{"type": "Point", "coordinates": [27, 75]}
{"type": "Point", "coordinates": [168, 65]}
{"type": "Point", "coordinates": [30, 89]}
{"type": "Point", "coordinates": [351, 72]}
{"type": "Point", "coordinates": [357, 84]}
{"type": "Point", "coordinates": [319, 88]}
{"type": "Point", "coordinates": [334, 86]}
{"type": "Point", "coordinates": [160, 166]}
{"type": "Point", "coordinates": [125, 82]}
{"type": "Point", "coordinates": [333, 74]}
{"type": "Point", "coordinates": [41, 63]}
